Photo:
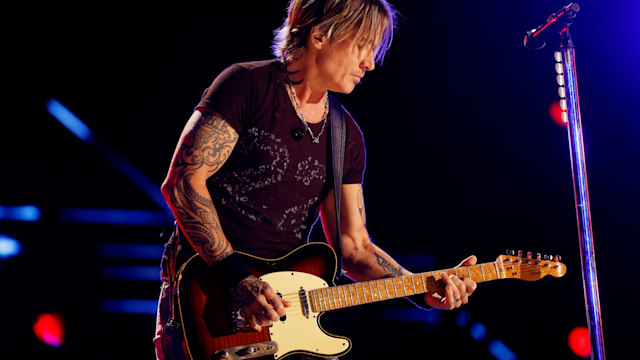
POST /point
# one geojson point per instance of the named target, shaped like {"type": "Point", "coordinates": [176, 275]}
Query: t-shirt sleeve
{"type": "Point", "coordinates": [229, 96]}
{"type": "Point", "coordinates": [355, 154]}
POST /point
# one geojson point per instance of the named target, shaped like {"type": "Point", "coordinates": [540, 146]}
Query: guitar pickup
{"type": "Point", "coordinates": [249, 351]}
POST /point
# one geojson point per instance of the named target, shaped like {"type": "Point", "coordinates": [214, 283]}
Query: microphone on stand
{"type": "Point", "coordinates": [536, 38]}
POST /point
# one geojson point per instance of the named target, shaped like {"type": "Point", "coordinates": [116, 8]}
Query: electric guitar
{"type": "Point", "coordinates": [304, 277]}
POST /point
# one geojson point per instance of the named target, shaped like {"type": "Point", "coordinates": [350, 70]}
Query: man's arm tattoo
{"type": "Point", "coordinates": [245, 293]}
{"type": "Point", "coordinates": [208, 144]}
{"type": "Point", "coordinates": [387, 266]}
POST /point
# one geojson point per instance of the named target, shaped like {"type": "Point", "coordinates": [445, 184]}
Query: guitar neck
{"type": "Point", "coordinates": [342, 296]}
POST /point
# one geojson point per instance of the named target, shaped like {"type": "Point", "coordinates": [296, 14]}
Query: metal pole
{"type": "Point", "coordinates": [581, 194]}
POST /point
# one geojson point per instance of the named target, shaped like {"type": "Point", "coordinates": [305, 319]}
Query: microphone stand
{"type": "Point", "coordinates": [569, 89]}
{"type": "Point", "coordinates": [581, 195]}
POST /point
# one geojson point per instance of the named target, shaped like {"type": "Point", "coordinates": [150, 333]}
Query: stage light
{"type": "Point", "coordinates": [49, 328]}
{"type": "Point", "coordinates": [8, 246]}
{"type": "Point", "coordinates": [478, 331]}
{"type": "Point", "coordinates": [130, 306]}
{"type": "Point", "coordinates": [557, 114]}
{"type": "Point", "coordinates": [70, 121]}
{"type": "Point", "coordinates": [115, 216]}
{"type": "Point", "coordinates": [463, 318]}
{"type": "Point", "coordinates": [500, 351]}
{"type": "Point", "coordinates": [83, 132]}
{"type": "Point", "coordinates": [579, 341]}
{"type": "Point", "coordinates": [27, 213]}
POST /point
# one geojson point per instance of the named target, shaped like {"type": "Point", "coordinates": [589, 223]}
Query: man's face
{"type": "Point", "coordinates": [342, 64]}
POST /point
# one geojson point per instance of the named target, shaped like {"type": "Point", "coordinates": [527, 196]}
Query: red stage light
{"type": "Point", "coordinates": [49, 328]}
{"type": "Point", "coordinates": [579, 341]}
{"type": "Point", "coordinates": [555, 111]}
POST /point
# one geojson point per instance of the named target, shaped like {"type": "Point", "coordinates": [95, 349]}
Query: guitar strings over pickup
{"type": "Point", "coordinates": [304, 301]}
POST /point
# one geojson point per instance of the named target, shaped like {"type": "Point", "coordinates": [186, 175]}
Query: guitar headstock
{"type": "Point", "coordinates": [527, 268]}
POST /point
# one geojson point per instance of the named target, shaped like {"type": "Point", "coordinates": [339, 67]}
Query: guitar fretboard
{"type": "Point", "coordinates": [342, 296]}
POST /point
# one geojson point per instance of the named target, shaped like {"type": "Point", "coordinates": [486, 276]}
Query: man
{"type": "Point", "coordinates": [251, 168]}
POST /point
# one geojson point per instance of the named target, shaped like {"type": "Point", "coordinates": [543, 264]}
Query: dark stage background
{"type": "Point", "coordinates": [463, 158]}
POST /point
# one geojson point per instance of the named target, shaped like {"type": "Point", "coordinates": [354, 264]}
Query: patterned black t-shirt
{"type": "Point", "coordinates": [268, 192]}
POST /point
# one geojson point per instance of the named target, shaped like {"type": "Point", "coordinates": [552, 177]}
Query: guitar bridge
{"type": "Point", "coordinates": [246, 351]}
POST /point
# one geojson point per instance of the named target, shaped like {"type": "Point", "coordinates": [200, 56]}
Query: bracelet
{"type": "Point", "coordinates": [230, 271]}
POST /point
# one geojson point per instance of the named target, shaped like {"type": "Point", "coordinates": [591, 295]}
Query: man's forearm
{"type": "Point", "coordinates": [198, 219]}
{"type": "Point", "coordinates": [204, 146]}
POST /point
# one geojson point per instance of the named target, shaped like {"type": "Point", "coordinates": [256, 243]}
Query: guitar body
{"type": "Point", "coordinates": [304, 277]}
{"type": "Point", "coordinates": [211, 330]}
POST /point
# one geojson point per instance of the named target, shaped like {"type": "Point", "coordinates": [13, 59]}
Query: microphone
{"type": "Point", "coordinates": [297, 133]}
{"type": "Point", "coordinates": [536, 38]}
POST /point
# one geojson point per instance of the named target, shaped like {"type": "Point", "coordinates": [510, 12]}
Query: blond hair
{"type": "Point", "coordinates": [372, 20]}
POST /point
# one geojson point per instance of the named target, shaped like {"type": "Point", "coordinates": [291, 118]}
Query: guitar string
{"type": "Point", "coordinates": [502, 267]}
{"type": "Point", "coordinates": [329, 301]}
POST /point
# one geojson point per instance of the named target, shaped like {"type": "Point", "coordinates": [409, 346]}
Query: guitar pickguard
{"type": "Point", "coordinates": [301, 333]}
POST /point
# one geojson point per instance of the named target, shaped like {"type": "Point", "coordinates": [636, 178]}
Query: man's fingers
{"type": "Point", "coordinates": [470, 261]}
{"type": "Point", "coordinates": [277, 304]}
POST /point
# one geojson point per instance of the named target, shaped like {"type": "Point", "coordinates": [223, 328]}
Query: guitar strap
{"type": "Point", "coordinates": [338, 139]}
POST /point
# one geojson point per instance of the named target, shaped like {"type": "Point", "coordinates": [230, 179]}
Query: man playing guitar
{"type": "Point", "coordinates": [252, 172]}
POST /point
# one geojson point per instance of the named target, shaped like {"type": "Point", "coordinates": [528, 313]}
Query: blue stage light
{"type": "Point", "coordinates": [9, 246]}
{"type": "Point", "coordinates": [131, 272]}
{"type": "Point", "coordinates": [478, 331]}
{"type": "Point", "coordinates": [130, 306]}
{"type": "Point", "coordinates": [20, 213]}
{"type": "Point", "coordinates": [115, 216]}
{"type": "Point", "coordinates": [500, 351]}
{"type": "Point", "coordinates": [70, 121]}
{"type": "Point", "coordinates": [131, 251]}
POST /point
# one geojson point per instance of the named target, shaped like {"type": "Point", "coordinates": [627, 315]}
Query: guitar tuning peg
{"type": "Point", "coordinates": [508, 252]}
{"type": "Point", "coordinates": [519, 253]}
{"type": "Point", "coordinates": [560, 80]}
{"type": "Point", "coordinates": [557, 258]}
{"type": "Point", "coordinates": [546, 257]}
{"type": "Point", "coordinates": [538, 256]}
{"type": "Point", "coordinates": [529, 255]}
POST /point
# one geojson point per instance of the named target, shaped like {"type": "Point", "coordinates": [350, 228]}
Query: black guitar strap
{"type": "Point", "coordinates": [338, 138]}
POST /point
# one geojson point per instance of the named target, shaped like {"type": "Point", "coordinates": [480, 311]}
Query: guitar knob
{"type": "Point", "coordinates": [222, 355]}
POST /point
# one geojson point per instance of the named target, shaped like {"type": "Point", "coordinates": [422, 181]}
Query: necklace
{"type": "Point", "coordinates": [314, 139]}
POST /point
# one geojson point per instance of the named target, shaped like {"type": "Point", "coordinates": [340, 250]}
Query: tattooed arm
{"type": "Point", "coordinates": [204, 146]}
{"type": "Point", "coordinates": [363, 260]}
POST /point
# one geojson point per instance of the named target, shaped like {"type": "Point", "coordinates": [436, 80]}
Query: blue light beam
{"type": "Point", "coordinates": [29, 213]}
{"type": "Point", "coordinates": [130, 306]}
{"type": "Point", "coordinates": [82, 131]}
{"type": "Point", "coordinates": [115, 216]}
{"type": "Point", "coordinates": [500, 351]}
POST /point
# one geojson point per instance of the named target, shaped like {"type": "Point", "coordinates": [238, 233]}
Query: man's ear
{"type": "Point", "coordinates": [317, 39]}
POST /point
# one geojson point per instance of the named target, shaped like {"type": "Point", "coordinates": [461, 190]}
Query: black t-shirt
{"type": "Point", "coordinates": [268, 193]}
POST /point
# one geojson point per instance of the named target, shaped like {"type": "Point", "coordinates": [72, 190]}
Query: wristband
{"type": "Point", "coordinates": [230, 271]}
